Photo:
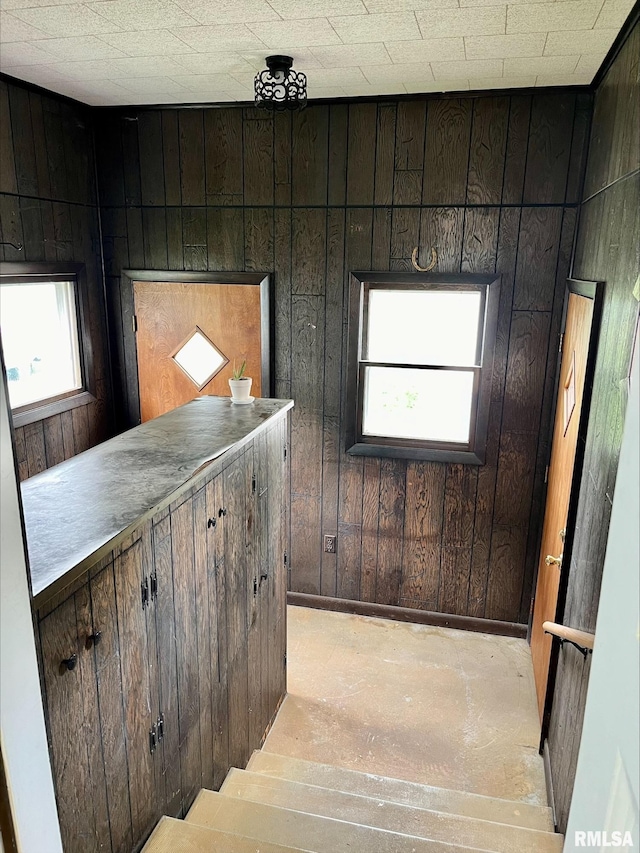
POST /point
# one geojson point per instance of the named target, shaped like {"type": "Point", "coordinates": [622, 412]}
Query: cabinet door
{"type": "Point", "coordinates": [218, 626]}
{"type": "Point", "coordinates": [167, 671]}
{"type": "Point", "coordinates": [112, 722]}
{"type": "Point", "coordinates": [235, 567]}
{"type": "Point", "coordinates": [278, 520]}
{"type": "Point", "coordinates": [186, 631]}
{"type": "Point", "coordinates": [73, 724]}
{"type": "Point", "coordinates": [129, 572]}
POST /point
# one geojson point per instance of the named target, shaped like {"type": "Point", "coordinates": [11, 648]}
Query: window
{"type": "Point", "coordinates": [41, 340]}
{"type": "Point", "coordinates": [420, 360]}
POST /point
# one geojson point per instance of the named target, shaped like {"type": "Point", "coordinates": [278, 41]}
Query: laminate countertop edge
{"type": "Point", "coordinates": [77, 512]}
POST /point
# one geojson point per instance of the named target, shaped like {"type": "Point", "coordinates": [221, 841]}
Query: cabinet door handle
{"type": "Point", "coordinates": [94, 639]}
{"type": "Point", "coordinates": [69, 663]}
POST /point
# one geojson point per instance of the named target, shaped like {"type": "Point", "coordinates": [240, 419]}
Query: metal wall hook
{"type": "Point", "coordinates": [17, 246]}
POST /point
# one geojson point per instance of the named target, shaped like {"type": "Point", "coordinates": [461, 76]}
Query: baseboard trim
{"type": "Point", "coordinates": [408, 614]}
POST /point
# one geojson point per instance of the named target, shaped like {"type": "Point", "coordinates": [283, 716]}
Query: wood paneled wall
{"type": "Point", "coordinates": [48, 203]}
{"type": "Point", "coordinates": [493, 183]}
{"type": "Point", "coordinates": [607, 249]}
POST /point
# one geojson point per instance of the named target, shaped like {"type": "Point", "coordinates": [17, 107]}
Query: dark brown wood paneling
{"type": "Point", "coordinates": [223, 154]}
{"type": "Point", "coordinates": [446, 156]}
{"type": "Point", "coordinates": [452, 173]}
{"type": "Point", "coordinates": [191, 136]}
{"type": "Point", "coordinates": [606, 250]}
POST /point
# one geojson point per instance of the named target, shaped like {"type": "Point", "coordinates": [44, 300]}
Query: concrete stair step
{"type": "Point", "coordinates": [393, 817]}
{"type": "Point", "coordinates": [405, 793]}
{"type": "Point", "coordinates": [177, 836]}
{"type": "Point", "coordinates": [307, 832]}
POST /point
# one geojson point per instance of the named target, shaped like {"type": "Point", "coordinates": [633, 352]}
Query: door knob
{"type": "Point", "coordinates": [550, 560]}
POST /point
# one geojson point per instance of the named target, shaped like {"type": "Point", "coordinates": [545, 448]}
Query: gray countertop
{"type": "Point", "coordinates": [76, 512]}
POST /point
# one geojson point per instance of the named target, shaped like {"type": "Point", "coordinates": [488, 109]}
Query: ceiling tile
{"type": "Point", "coordinates": [213, 63]}
{"type": "Point", "coordinates": [458, 84]}
{"type": "Point", "coordinates": [589, 63]}
{"type": "Point", "coordinates": [77, 48]}
{"type": "Point", "coordinates": [229, 36]}
{"type": "Point", "coordinates": [426, 49]}
{"type": "Point", "coordinates": [327, 77]}
{"type": "Point", "coordinates": [7, 5]}
{"type": "Point", "coordinates": [151, 43]}
{"type": "Point", "coordinates": [499, 47]}
{"type": "Point", "coordinates": [614, 13]}
{"type": "Point", "coordinates": [381, 75]}
{"type": "Point", "coordinates": [92, 88]}
{"type": "Point", "coordinates": [13, 29]}
{"type": "Point", "coordinates": [502, 82]}
{"type": "Point", "coordinates": [280, 35]}
{"type": "Point", "coordinates": [210, 82]}
{"type": "Point", "coordinates": [318, 9]}
{"type": "Point", "coordinates": [463, 22]}
{"type": "Point", "coordinates": [345, 56]}
{"type": "Point", "coordinates": [365, 89]}
{"type": "Point", "coordinates": [142, 14]}
{"type": "Point", "coordinates": [468, 68]}
{"type": "Point", "coordinates": [547, 65]}
{"type": "Point", "coordinates": [228, 11]}
{"type": "Point", "coordinates": [581, 41]}
{"type": "Point", "coordinates": [150, 85]}
{"type": "Point", "coordinates": [375, 6]}
{"type": "Point", "coordinates": [87, 69]}
{"type": "Point", "coordinates": [544, 17]}
{"type": "Point", "coordinates": [303, 58]}
{"type": "Point", "coordinates": [64, 21]}
{"type": "Point", "coordinates": [369, 28]}
{"type": "Point", "coordinates": [23, 53]}
{"type": "Point", "coordinates": [563, 79]}
{"type": "Point", "coordinates": [146, 66]}
{"type": "Point", "coordinates": [41, 75]}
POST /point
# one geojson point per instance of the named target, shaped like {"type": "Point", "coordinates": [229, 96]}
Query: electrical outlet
{"type": "Point", "coordinates": [330, 544]}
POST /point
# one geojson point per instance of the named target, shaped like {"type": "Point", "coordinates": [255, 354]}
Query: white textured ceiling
{"type": "Point", "coordinates": [194, 51]}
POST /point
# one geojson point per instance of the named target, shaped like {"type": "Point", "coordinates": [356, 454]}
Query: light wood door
{"type": "Point", "coordinates": [168, 314]}
{"type": "Point", "coordinates": [575, 352]}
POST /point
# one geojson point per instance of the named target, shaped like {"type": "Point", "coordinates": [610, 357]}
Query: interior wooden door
{"type": "Point", "coordinates": [170, 315]}
{"type": "Point", "coordinates": [575, 354]}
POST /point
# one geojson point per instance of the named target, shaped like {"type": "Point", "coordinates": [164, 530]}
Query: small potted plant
{"type": "Point", "coordinates": [240, 384]}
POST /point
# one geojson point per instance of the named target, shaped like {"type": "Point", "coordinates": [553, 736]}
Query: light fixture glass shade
{"type": "Point", "coordinates": [279, 87]}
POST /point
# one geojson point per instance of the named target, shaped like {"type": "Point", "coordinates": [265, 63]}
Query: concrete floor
{"type": "Point", "coordinates": [442, 707]}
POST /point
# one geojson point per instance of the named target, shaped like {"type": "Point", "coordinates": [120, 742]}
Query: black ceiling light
{"type": "Point", "coordinates": [279, 87]}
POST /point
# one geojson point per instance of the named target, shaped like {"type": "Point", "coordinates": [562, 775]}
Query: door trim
{"type": "Point", "coordinates": [591, 290]}
{"type": "Point", "coordinates": [267, 321]}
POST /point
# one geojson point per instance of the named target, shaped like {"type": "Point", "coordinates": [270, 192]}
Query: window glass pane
{"type": "Point", "coordinates": [423, 327]}
{"type": "Point", "coordinates": [39, 340]}
{"type": "Point", "coordinates": [199, 358]}
{"type": "Point", "coordinates": [432, 405]}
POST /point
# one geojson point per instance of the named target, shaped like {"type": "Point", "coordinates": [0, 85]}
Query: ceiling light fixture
{"type": "Point", "coordinates": [279, 87]}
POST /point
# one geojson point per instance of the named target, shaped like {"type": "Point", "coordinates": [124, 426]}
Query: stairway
{"type": "Point", "coordinates": [285, 804]}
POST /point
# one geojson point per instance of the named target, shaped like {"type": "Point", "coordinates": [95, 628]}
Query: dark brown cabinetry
{"type": "Point", "coordinates": [165, 663]}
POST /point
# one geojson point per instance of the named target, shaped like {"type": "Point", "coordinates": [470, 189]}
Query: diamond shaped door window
{"type": "Point", "coordinates": [199, 358]}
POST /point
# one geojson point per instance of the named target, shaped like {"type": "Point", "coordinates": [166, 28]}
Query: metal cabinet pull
{"type": "Point", "coordinates": [94, 639]}
{"type": "Point", "coordinates": [69, 663]}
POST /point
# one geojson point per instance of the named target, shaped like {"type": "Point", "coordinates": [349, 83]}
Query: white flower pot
{"type": "Point", "coordinates": [241, 388]}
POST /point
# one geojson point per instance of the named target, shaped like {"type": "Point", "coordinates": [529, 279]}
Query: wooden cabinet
{"type": "Point", "coordinates": [164, 664]}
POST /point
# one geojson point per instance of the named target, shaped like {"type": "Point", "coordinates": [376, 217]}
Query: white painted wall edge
{"type": "Point", "coordinates": [606, 795]}
{"type": "Point", "coordinates": [22, 728]}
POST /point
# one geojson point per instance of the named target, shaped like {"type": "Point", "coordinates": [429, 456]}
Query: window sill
{"type": "Point", "coordinates": [48, 410]}
{"type": "Point", "coordinates": [427, 454]}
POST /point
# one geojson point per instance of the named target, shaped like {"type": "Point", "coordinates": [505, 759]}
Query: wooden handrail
{"type": "Point", "coordinates": [581, 639]}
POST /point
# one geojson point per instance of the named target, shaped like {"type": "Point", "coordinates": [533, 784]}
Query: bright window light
{"type": "Point", "coordinates": [423, 327]}
{"type": "Point", "coordinates": [427, 405]}
{"type": "Point", "coordinates": [40, 340]}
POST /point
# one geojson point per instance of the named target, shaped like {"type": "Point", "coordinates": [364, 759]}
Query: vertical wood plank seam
{"type": "Point", "coordinates": [504, 163]}
{"type": "Point", "coordinates": [573, 133]}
